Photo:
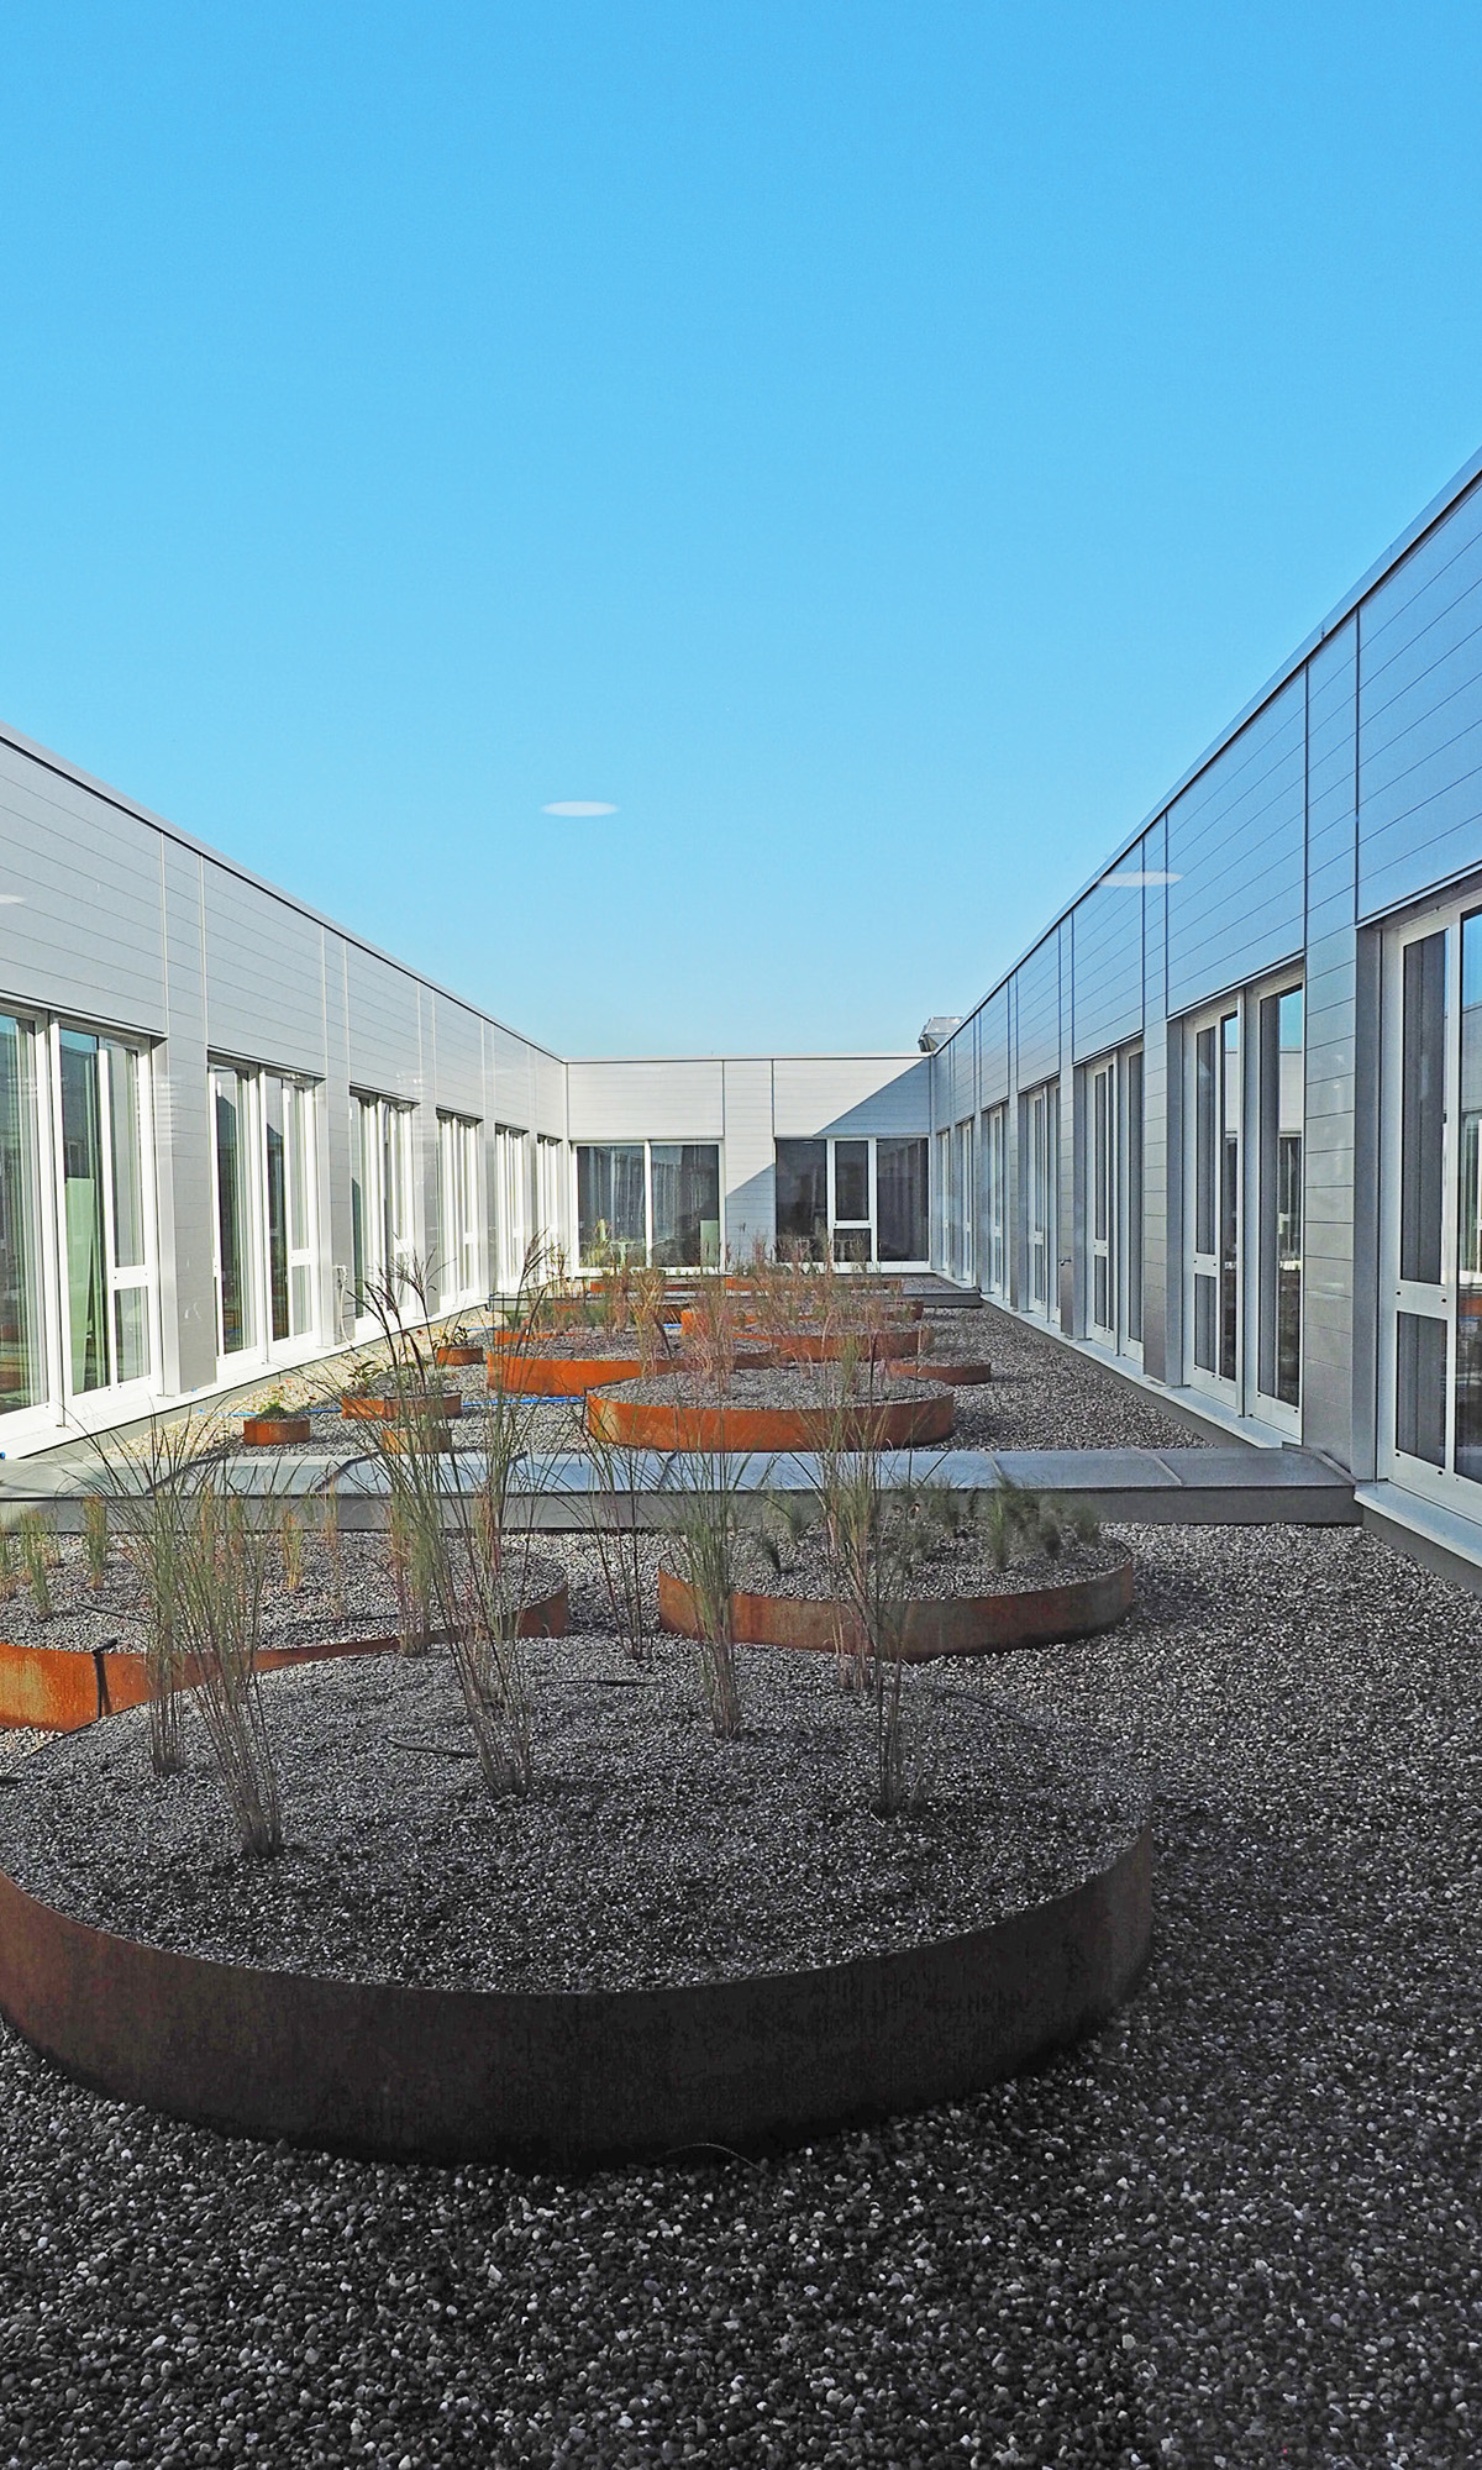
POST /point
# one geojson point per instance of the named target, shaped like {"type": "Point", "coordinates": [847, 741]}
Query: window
{"type": "Point", "coordinates": [655, 1202]}
{"type": "Point", "coordinates": [1043, 1108]}
{"type": "Point", "coordinates": [1103, 1201]}
{"type": "Point", "coordinates": [512, 1189]}
{"type": "Point", "coordinates": [802, 1199]}
{"type": "Point", "coordinates": [102, 1099]}
{"type": "Point", "coordinates": [900, 1199]}
{"type": "Point", "coordinates": [460, 1269]}
{"type": "Point", "coordinates": [382, 1221]}
{"type": "Point", "coordinates": [1280, 1319]}
{"type": "Point", "coordinates": [1112, 1132]}
{"type": "Point", "coordinates": [266, 1171]}
{"type": "Point", "coordinates": [866, 1199]}
{"type": "Point", "coordinates": [22, 1344]}
{"type": "Point", "coordinates": [1132, 1184]}
{"type": "Point", "coordinates": [1215, 1270]}
{"type": "Point", "coordinates": [550, 1217]}
{"type": "Point", "coordinates": [995, 1200]}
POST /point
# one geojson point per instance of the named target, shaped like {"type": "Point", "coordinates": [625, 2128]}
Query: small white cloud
{"type": "Point", "coordinates": [12, 900]}
{"type": "Point", "coordinates": [1132, 879]}
{"type": "Point", "coordinates": [578, 806]}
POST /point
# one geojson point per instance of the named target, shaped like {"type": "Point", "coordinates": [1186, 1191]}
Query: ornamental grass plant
{"type": "Point", "coordinates": [227, 1544]}
{"type": "Point", "coordinates": [458, 1537]}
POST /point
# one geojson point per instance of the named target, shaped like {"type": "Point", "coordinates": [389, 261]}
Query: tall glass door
{"type": "Point", "coordinates": [1431, 1355]}
{"type": "Point", "coordinates": [1043, 1107]}
{"type": "Point", "coordinates": [1214, 1180]}
{"type": "Point", "coordinates": [106, 1224]}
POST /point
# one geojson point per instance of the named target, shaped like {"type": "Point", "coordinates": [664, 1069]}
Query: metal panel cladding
{"type": "Point", "coordinates": [1420, 716]}
{"type": "Point", "coordinates": [1236, 844]}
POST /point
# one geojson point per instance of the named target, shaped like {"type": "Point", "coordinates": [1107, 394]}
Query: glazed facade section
{"type": "Point", "coordinates": [1224, 1121]}
{"type": "Point", "coordinates": [227, 1124]}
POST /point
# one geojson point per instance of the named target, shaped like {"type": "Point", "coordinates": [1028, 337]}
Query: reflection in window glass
{"type": "Point", "coordinates": [1134, 1193]}
{"type": "Point", "coordinates": [22, 1377]}
{"type": "Point", "coordinates": [1422, 1107]}
{"type": "Point", "coordinates": [231, 1105]}
{"type": "Point", "coordinates": [802, 1199]}
{"type": "Point", "coordinates": [84, 1233]}
{"type": "Point", "coordinates": [686, 1205]}
{"type": "Point", "coordinates": [1468, 1373]}
{"type": "Point", "coordinates": [277, 1200]}
{"type": "Point", "coordinates": [1280, 1368]}
{"type": "Point", "coordinates": [1420, 1387]}
{"type": "Point", "coordinates": [851, 1183]}
{"type": "Point", "coordinates": [610, 1207]}
{"type": "Point", "coordinates": [901, 1200]}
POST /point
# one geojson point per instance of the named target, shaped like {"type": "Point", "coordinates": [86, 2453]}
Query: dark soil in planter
{"type": "Point", "coordinates": [649, 1853]}
{"type": "Point", "coordinates": [84, 1619]}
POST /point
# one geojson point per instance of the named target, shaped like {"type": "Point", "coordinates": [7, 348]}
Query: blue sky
{"type": "Point", "coordinates": [874, 447]}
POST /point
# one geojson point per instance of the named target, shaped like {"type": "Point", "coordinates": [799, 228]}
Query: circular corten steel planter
{"type": "Point", "coordinates": [458, 1358]}
{"type": "Point", "coordinates": [935, 1626]}
{"type": "Point", "coordinates": [891, 1423]}
{"type": "Point", "coordinates": [569, 2080]}
{"type": "Point", "coordinates": [560, 1376]}
{"type": "Point", "coordinates": [274, 1431]}
{"type": "Point", "coordinates": [879, 1346]}
{"type": "Point", "coordinates": [56, 1689]}
{"type": "Point", "coordinates": [403, 1410]}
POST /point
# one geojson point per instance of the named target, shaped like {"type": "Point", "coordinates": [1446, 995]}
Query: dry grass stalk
{"type": "Point", "coordinates": [10, 1564]}
{"type": "Point", "coordinates": [223, 1573]}
{"type": "Point", "coordinates": [476, 1571]}
{"type": "Point", "coordinates": [291, 1548]}
{"type": "Point", "coordinates": [37, 1549]}
{"type": "Point", "coordinates": [95, 1539]}
{"type": "Point", "coordinates": [151, 1492]}
{"type": "Point", "coordinates": [332, 1538]}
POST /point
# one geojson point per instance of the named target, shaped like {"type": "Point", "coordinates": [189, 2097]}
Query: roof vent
{"type": "Point", "coordinates": [938, 1030]}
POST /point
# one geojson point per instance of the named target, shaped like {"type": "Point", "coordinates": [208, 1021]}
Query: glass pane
{"type": "Point", "coordinates": [1229, 1195]}
{"type": "Point", "coordinates": [1134, 1195]}
{"type": "Point", "coordinates": [22, 1378]}
{"type": "Point", "coordinates": [901, 1200]}
{"type": "Point", "coordinates": [128, 1156]}
{"type": "Point", "coordinates": [852, 1245]}
{"type": "Point", "coordinates": [1420, 1387]}
{"type": "Point", "coordinates": [301, 1298]}
{"type": "Point", "coordinates": [1468, 1373]}
{"type": "Point", "coordinates": [609, 1202]}
{"type": "Point", "coordinates": [1422, 1107]}
{"type": "Point", "coordinates": [1205, 1142]}
{"type": "Point", "coordinates": [1281, 1196]}
{"type": "Point", "coordinates": [299, 1104]}
{"type": "Point", "coordinates": [360, 1153]}
{"type": "Point", "coordinates": [1205, 1292]}
{"type": "Point", "coordinates": [131, 1332]}
{"type": "Point", "coordinates": [1101, 1179]}
{"type": "Point", "coordinates": [686, 1205]}
{"type": "Point", "coordinates": [851, 1183]}
{"type": "Point", "coordinates": [277, 1206]}
{"type": "Point", "coordinates": [802, 1198]}
{"type": "Point", "coordinates": [82, 1210]}
{"type": "Point", "coordinates": [231, 1095]}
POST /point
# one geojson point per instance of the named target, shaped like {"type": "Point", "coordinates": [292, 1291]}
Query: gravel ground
{"type": "Point", "coordinates": [343, 1593]}
{"type": "Point", "coordinates": [1239, 2229]}
{"type": "Point", "coordinates": [785, 1385]}
{"type": "Point", "coordinates": [647, 1854]}
{"type": "Point", "coordinates": [1042, 1396]}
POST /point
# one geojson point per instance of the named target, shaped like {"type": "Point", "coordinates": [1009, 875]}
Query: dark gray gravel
{"type": "Point", "coordinates": [1238, 2230]}
{"type": "Point", "coordinates": [1044, 1396]}
{"type": "Point", "coordinates": [648, 1853]}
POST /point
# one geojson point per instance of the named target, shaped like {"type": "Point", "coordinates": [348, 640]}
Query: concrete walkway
{"type": "Point", "coordinates": [1192, 1487]}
